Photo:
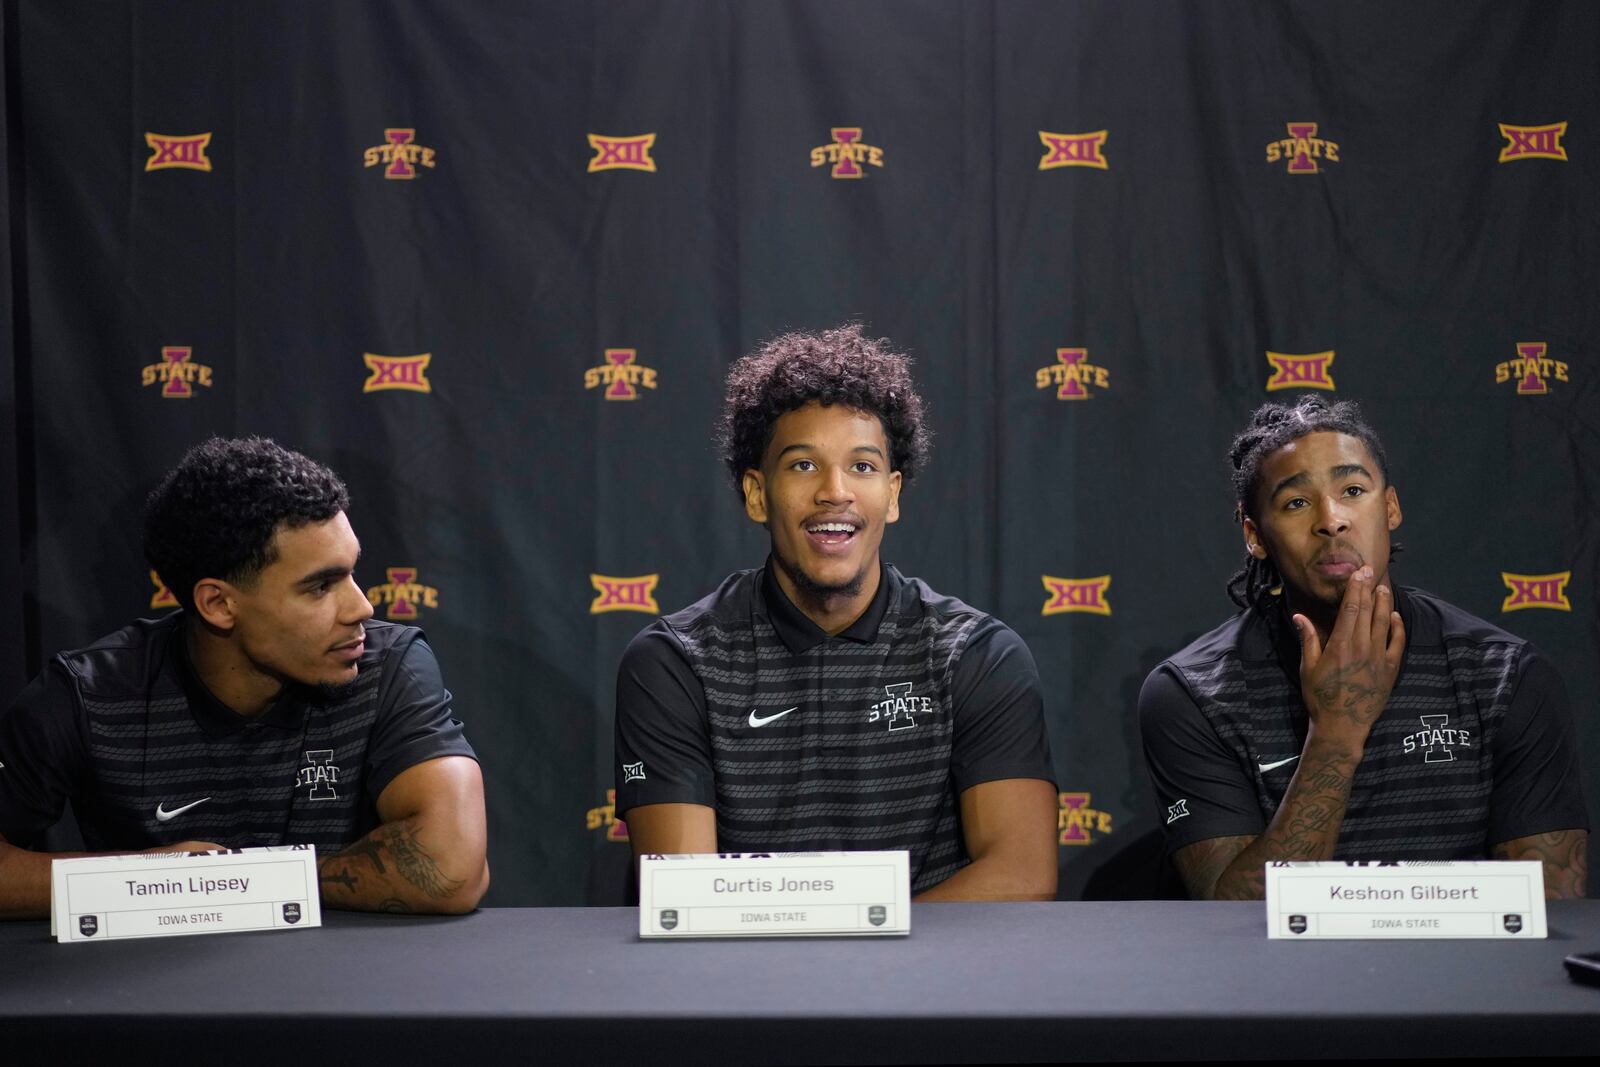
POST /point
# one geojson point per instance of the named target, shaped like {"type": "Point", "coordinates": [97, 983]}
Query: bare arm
{"type": "Point", "coordinates": [1010, 831]}
{"type": "Point", "coordinates": [1345, 687]}
{"type": "Point", "coordinates": [672, 829]}
{"type": "Point", "coordinates": [1565, 855]}
{"type": "Point", "coordinates": [25, 875]}
{"type": "Point", "coordinates": [429, 855]}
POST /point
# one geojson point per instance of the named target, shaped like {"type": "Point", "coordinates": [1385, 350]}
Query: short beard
{"type": "Point", "coordinates": [811, 589]}
{"type": "Point", "coordinates": [333, 694]}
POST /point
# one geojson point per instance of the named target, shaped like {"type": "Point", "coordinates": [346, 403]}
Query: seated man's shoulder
{"type": "Point", "coordinates": [726, 609]}
{"type": "Point", "coordinates": [1244, 636]}
{"type": "Point", "coordinates": [124, 661]}
{"type": "Point", "coordinates": [1435, 621]}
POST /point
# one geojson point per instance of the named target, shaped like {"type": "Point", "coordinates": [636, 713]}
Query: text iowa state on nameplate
{"type": "Point", "coordinates": [1458, 899]}
{"type": "Point", "coordinates": [166, 894]}
{"type": "Point", "coordinates": [778, 894]}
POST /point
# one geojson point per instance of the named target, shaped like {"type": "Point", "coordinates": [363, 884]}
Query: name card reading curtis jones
{"type": "Point", "coordinates": [157, 895]}
{"type": "Point", "coordinates": [775, 895]}
{"type": "Point", "coordinates": [1470, 898]}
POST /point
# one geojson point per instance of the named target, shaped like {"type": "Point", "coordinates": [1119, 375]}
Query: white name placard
{"type": "Point", "coordinates": [1466, 898]}
{"type": "Point", "coordinates": [796, 894]}
{"type": "Point", "coordinates": [165, 894]}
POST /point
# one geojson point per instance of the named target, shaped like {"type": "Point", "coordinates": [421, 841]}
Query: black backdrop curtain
{"type": "Point", "coordinates": [490, 262]}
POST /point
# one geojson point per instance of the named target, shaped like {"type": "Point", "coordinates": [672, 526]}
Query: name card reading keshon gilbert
{"type": "Point", "coordinates": [166, 894]}
{"type": "Point", "coordinates": [1459, 899]}
{"type": "Point", "coordinates": [779, 894]}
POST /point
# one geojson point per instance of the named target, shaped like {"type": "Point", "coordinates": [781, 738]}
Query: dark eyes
{"type": "Point", "coordinates": [859, 467]}
{"type": "Point", "coordinates": [1299, 502]}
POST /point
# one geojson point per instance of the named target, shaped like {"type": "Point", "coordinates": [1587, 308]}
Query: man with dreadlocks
{"type": "Point", "coordinates": [1342, 716]}
{"type": "Point", "coordinates": [824, 701]}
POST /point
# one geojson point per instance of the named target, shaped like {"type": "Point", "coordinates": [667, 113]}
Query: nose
{"type": "Point", "coordinates": [834, 487]}
{"type": "Point", "coordinates": [357, 608]}
{"type": "Point", "coordinates": [1334, 519]}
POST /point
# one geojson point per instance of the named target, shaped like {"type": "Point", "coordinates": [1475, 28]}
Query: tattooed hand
{"type": "Point", "coordinates": [1346, 684]}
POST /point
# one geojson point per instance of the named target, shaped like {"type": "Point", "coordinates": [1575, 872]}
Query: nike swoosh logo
{"type": "Point", "coordinates": [163, 815]}
{"type": "Point", "coordinates": [755, 721]}
{"type": "Point", "coordinates": [1265, 767]}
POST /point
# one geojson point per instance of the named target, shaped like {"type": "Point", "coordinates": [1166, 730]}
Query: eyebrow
{"type": "Point", "coordinates": [1343, 470]}
{"type": "Point", "coordinates": [802, 446]}
{"type": "Point", "coordinates": [329, 574]}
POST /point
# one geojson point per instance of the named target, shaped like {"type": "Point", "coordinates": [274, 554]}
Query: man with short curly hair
{"type": "Point", "coordinates": [269, 710]}
{"type": "Point", "coordinates": [1342, 716]}
{"type": "Point", "coordinates": [825, 701]}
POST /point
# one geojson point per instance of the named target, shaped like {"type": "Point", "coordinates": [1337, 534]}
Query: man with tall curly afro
{"type": "Point", "coordinates": [1340, 715]}
{"type": "Point", "coordinates": [270, 710]}
{"type": "Point", "coordinates": [824, 701]}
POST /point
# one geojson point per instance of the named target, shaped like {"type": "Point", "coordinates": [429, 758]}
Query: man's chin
{"type": "Point", "coordinates": [822, 587]}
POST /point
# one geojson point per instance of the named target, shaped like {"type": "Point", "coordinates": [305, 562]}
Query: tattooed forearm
{"type": "Point", "coordinates": [1565, 855]}
{"type": "Point", "coordinates": [1306, 827]}
{"type": "Point", "coordinates": [370, 848]}
{"type": "Point", "coordinates": [328, 876]}
{"type": "Point", "coordinates": [414, 863]}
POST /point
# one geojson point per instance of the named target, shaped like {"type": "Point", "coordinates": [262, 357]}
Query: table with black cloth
{"type": "Point", "coordinates": [995, 982]}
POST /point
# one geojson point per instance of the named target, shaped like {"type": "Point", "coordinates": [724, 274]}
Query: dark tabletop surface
{"type": "Point", "coordinates": [1091, 980]}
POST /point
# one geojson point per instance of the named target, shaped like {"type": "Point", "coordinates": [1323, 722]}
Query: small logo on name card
{"type": "Point", "coordinates": [877, 914]}
{"type": "Point", "coordinates": [88, 925]}
{"type": "Point", "coordinates": [1297, 924]}
{"type": "Point", "coordinates": [1513, 924]}
{"type": "Point", "coordinates": [669, 918]}
{"type": "Point", "coordinates": [291, 913]}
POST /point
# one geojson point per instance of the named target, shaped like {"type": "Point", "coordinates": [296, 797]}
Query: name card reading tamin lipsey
{"type": "Point", "coordinates": [1459, 899]}
{"type": "Point", "coordinates": [779, 894]}
{"type": "Point", "coordinates": [165, 894]}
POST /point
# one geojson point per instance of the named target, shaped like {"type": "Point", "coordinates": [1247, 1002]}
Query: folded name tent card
{"type": "Point", "coordinates": [166, 894]}
{"type": "Point", "coordinates": [1458, 899]}
{"type": "Point", "coordinates": [779, 894]}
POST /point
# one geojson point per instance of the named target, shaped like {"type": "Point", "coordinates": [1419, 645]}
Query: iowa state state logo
{"type": "Point", "coordinates": [162, 597]}
{"type": "Point", "coordinates": [624, 594]}
{"type": "Point", "coordinates": [847, 152]}
{"type": "Point", "coordinates": [621, 374]}
{"type": "Point", "coordinates": [1076, 594]}
{"type": "Point", "coordinates": [177, 373]}
{"type": "Point", "coordinates": [1533, 142]}
{"type": "Point", "coordinates": [622, 153]}
{"type": "Point", "coordinates": [184, 153]}
{"type": "Point", "coordinates": [404, 595]}
{"type": "Point", "coordinates": [606, 816]}
{"type": "Point", "coordinates": [1300, 372]}
{"type": "Point", "coordinates": [1077, 823]}
{"type": "Point", "coordinates": [1073, 150]}
{"type": "Point", "coordinates": [1072, 374]}
{"type": "Point", "coordinates": [1532, 370]}
{"type": "Point", "coordinates": [399, 155]}
{"type": "Point", "coordinates": [1302, 148]}
{"type": "Point", "coordinates": [1536, 591]}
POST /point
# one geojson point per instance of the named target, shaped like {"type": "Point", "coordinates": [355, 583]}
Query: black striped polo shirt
{"type": "Point", "coordinates": [125, 730]}
{"type": "Point", "coordinates": [1475, 746]}
{"type": "Point", "coordinates": [805, 742]}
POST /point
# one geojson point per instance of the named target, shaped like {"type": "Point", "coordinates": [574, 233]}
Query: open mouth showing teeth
{"type": "Point", "coordinates": [832, 533]}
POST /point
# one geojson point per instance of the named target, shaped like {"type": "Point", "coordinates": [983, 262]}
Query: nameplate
{"type": "Point", "coordinates": [167, 894]}
{"type": "Point", "coordinates": [779, 894]}
{"type": "Point", "coordinates": [1461, 899]}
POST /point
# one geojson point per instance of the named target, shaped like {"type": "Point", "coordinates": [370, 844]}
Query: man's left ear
{"type": "Point", "coordinates": [894, 498]}
{"type": "Point", "coordinates": [1391, 507]}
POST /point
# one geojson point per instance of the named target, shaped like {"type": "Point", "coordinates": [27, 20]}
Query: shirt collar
{"type": "Point", "coordinates": [797, 631]}
{"type": "Point", "coordinates": [215, 717]}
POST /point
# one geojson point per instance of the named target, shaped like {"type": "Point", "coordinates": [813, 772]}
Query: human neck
{"type": "Point", "coordinates": [227, 673]}
{"type": "Point", "coordinates": [833, 613]}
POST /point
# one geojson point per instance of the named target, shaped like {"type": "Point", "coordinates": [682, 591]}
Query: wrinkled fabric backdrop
{"type": "Point", "coordinates": [490, 262]}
